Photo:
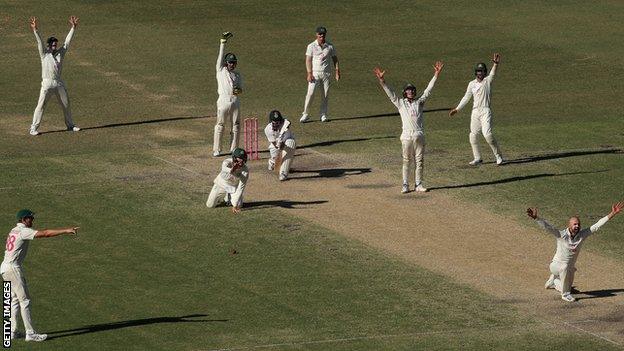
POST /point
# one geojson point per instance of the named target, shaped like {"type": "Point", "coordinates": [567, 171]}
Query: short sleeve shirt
{"type": "Point", "coordinates": [321, 56]}
{"type": "Point", "coordinates": [17, 245]}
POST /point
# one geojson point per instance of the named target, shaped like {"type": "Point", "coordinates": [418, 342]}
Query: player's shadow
{"type": "Point", "coordinates": [512, 179]}
{"type": "Point", "coordinates": [597, 294]}
{"type": "Point", "coordinates": [556, 155]}
{"type": "Point", "coordinates": [385, 115]}
{"type": "Point", "coordinates": [329, 172]}
{"type": "Point", "coordinates": [125, 124]}
{"type": "Point", "coordinates": [254, 205]}
{"type": "Point", "coordinates": [94, 328]}
{"type": "Point", "coordinates": [334, 142]}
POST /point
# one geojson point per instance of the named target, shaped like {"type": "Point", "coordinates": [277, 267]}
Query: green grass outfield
{"type": "Point", "coordinates": [151, 251]}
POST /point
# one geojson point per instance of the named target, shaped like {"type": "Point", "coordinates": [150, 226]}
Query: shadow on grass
{"type": "Point", "coordinates": [333, 142]}
{"type": "Point", "coordinates": [280, 203]}
{"type": "Point", "coordinates": [94, 328]}
{"type": "Point", "coordinates": [330, 172]}
{"type": "Point", "coordinates": [124, 124]}
{"type": "Point", "coordinates": [557, 155]}
{"type": "Point", "coordinates": [385, 115]}
{"type": "Point", "coordinates": [512, 179]}
{"type": "Point", "coordinates": [597, 294]}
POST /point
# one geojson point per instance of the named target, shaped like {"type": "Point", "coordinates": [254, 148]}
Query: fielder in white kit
{"type": "Point", "coordinates": [51, 82]}
{"type": "Point", "coordinates": [318, 54]}
{"type": "Point", "coordinates": [282, 144]}
{"type": "Point", "coordinates": [481, 118]}
{"type": "Point", "coordinates": [413, 136]}
{"type": "Point", "coordinates": [569, 242]}
{"type": "Point", "coordinates": [11, 270]}
{"type": "Point", "coordinates": [229, 185]}
{"type": "Point", "coordinates": [229, 86]}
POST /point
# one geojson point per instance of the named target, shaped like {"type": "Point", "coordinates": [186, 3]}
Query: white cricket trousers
{"type": "Point", "coordinates": [319, 78]}
{"type": "Point", "coordinates": [288, 153]}
{"type": "Point", "coordinates": [564, 275]}
{"type": "Point", "coordinates": [413, 158]}
{"type": "Point", "coordinates": [48, 87]}
{"type": "Point", "coordinates": [218, 195]}
{"type": "Point", "coordinates": [481, 122]}
{"type": "Point", "coordinates": [20, 299]}
{"type": "Point", "coordinates": [228, 108]}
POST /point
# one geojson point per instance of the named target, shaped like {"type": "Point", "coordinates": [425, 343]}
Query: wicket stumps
{"type": "Point", "coordinates": [250, 132]}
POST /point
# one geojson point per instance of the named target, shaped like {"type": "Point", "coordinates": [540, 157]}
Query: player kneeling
{"type": "Point", "coordinates": [282, 144]}
{"type": "Point", "coordinates": [229, 185]}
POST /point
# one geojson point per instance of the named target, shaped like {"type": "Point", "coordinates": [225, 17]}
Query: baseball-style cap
{"type": "Point", "coordinates": [24, 213]}
{"type": "Point", "coordinates": [321, 30]}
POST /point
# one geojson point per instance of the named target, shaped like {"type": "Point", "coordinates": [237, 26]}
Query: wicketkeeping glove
{"type": "Point", "coordinates": [225, 36]}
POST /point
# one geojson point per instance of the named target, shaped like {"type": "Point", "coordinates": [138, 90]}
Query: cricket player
{"type": "Point", "coordinates": [413, 136]}
{"type": "Point", "coordinates": [569, 242]}
{"type": "Point", "coordinates": [318, 54]}
{"type": "Point", "coordinates": [11, 270]}
{"type": "Point", "coordinates": [282, 144]}
{"type": "Point", "coordinates": [229, 185]}
{"type": "Point", "coordinates": [51, 65]}
{"type": "Point", "coordinates": [230, 85]}
{"type": "Point", "coordinates": [481, 118]}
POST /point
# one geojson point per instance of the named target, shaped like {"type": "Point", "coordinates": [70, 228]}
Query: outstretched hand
{"type": "Point", "coordinates": [496, 58]}
{"type": "Point", "coordinates": [452, 112]}
{"type": "Point", "coordinates": [236, 210]}
{"type": "Point", "coordinates": [73, 230]}
{"type": "Point", "coordinates": [225, 36]}
{"type": "Point", "coordinates": [379, 73]}
{"type": "Point", "coordinates": [532, 212]}
{"type": "Point", "coordinates": [616, 208]}
{"type": "Point", "coordinates": [73, 20]}
{"type": "Point", "coordinates": [437, 67]}
{"type": "Point", "coordinates": [33, 23]}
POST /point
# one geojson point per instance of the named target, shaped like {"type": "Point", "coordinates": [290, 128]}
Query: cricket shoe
{"type": "Point", "coordinates": [405, 188]}
{"type": "Point", "coordinates": [499, 160]}
{"type": "Point", "coordinates": [34, 132]}
{"type": "Point", "coordinates": [282, 176]}
{"type": "Point", "coordinates": [475, 162]}
{"type": "Point", "coordinates": [567, 297]}
{"type": "Point", "coordinates": [228, 199]}
{"type": "Point", "coordinates": [304, 118]}
{"type": "Point", "coordinates": [421, 189]}
{"type": "Point", "coordinates": [271, 165]}
{"type": "Point", "coordinates": [550, 283]}
{"type": "Point", "coordinates": [324, 118]}
{"type": "Point", "coordinates": [17, 335]}
{"type": "Point", "coordinates": [216, 153]}
{"type": "Point", "coordinates": [73, 129]}
{"type": "Point", "coordinates": [36, 337]}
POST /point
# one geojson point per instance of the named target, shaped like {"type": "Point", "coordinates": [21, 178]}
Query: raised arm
{"type": "Point", "coordinates": [33, 27]}
{"type": "Point", "coordinates": [495, 60]}
{"type": "Point", "coordinates": [73, 20]}
{"type": "Point", "coordinates": [379, 73]}
{"type": "Point", "coordinates": [615, 209]}
{"type": "Point", "coordinates": [224, 38]}
{"type": "Point", "coordinates": [48, 233]}
{"type": "Point", "coordinates": [437, 68]}
{"type": "Point", "coordinates": [532, 212]}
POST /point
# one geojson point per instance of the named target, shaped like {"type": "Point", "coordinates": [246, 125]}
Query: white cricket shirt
{"type": "Point", "coordinates": [52, 64]}
{"type": "Point", "coordinates": [411, 111]}
{"type": "Point", "coordinates": [17, 246]}
{"type": "Point", "coordinates": [321, 56]}
{"type": "Point", "coordinates": [226, 80]}
{"type": "Point", "coordinates": [479, 91]}
{"type": "Point", "coordinates": [568, 248]}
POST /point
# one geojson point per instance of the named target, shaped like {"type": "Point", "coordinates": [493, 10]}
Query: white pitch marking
{"type": "Point", "coordinates": [593, 334]}
{"type": "Point", "coordinates": [177, 165]}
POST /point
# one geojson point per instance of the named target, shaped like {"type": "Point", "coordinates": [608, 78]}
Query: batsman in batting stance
{"type": "Point", "coordinates": [229, 185]}
{"type": "Point", "coordinates": [480, 89]}
{"type": "Point", "coordinates": [569, 242]}
{"type": "Point", "coordinates": [282, 144]}
{"type": "Point", "coordinates": [52, 58]}
{"type": "Point", "coordinates": [229, 86]}
{"type": "Point", "coordinates": [413, 136]}
{"type": "Point", "coordinates": [11, 269]}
